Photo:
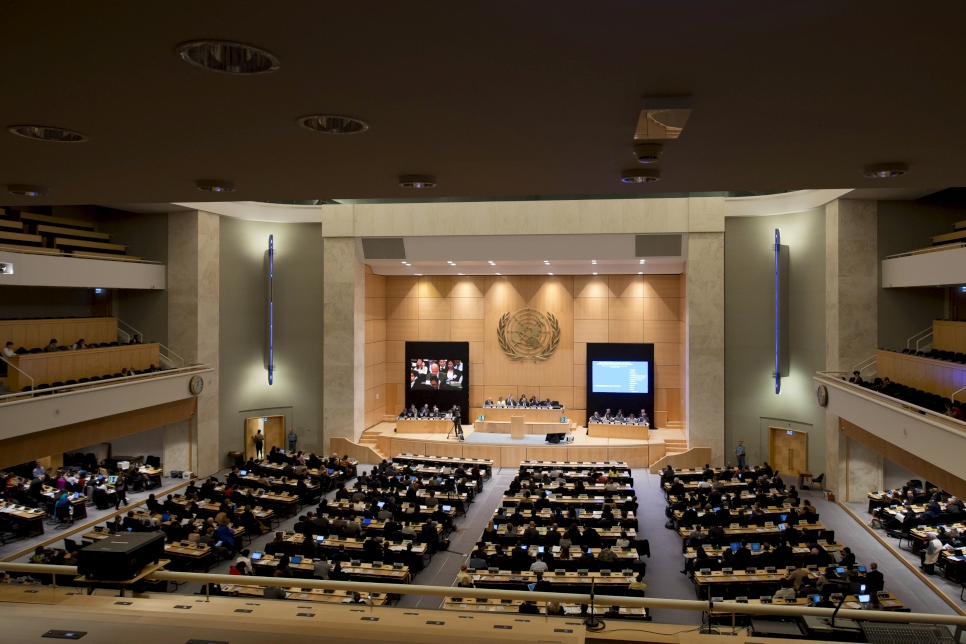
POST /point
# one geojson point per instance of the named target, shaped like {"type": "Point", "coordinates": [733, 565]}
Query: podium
{"type": "Point", "coordinates": [518, 427]}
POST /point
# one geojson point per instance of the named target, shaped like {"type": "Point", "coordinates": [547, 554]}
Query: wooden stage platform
{"type": "Point", "coordinates": [509, 453]}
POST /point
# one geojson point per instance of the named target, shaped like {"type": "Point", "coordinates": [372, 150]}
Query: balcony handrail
{"type": "Point", "coordinates": [926, 332]}
{"type": "Point", "coordinates": [952, 396]}
{"type": "Point", "coordinates": [365, 587]}
{"type": "Point", "coordinates": [15, 396]}
{"type": "Point", "coordinates": [942, 421]}
{"type": "Point", "coordinates": [161, 356]}
{"type": "Point", "coordinates": [865, 364]}
{"type": "Point", "coordinates": [928, 335]}
{"type": "Point", "coordinates": [923, 251]}
{"type": "Point", "coordinates": [10, 364]}
{"type": "Point", "coordinates": [27, 250]}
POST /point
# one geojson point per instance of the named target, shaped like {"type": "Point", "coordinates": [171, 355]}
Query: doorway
{"type": "Point", "coordinates": [273, 428]}
{"type": "Point", "coordinates": [788, 450]}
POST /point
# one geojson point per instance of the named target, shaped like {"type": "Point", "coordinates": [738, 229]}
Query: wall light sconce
{"type": "Point", "coordinates": [271, 309]}
{"type": "Point", "coordinates": [782, 357]}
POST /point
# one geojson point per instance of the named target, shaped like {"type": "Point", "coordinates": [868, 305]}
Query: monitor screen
{"type": "Point", "coordinates": [734, 546]}
{"type": "Point", "coordinates": [256, 556]}
{"type": "Point", "coordinates": [865, 599]}
{"type": "Point", "coordinates": [441, 372]}
{"type": "Point", "coordinates": [244, 472]}
{"type": "Point", "coordinates": [112, 480]}
{"type": "Point", "coordinates": [619, 377]}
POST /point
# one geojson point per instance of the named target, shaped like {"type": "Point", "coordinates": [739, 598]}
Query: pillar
{"type": "Point", "coordinates": [193, 301]}
{"type": "Point", "coordinates": [851, 318]}
{"type": "Point", "coordinates": [704, 327]}
{"type": "Point", "coordinates": [343, 346]}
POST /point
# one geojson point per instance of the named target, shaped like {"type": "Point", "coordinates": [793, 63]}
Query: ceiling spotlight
{"type": "Point", "coordinates": [47, 133]}
{"type": "Point", "coordinates": [404, 262]}
{"type": "Point", "coordinates": [640, 272]}
{"type": "Point", "coordinates": [492, 263]}
{"type": "Point", "coordinates": [648, 152]}
{"type": "Point", "coordinates": [642, 261]}
{"type": "Point", "coordinates": [499, 273]}
{"type": "Point", "coordinates": [885, 171]}
{"type": "Point", "coordinates": [215, 186]}
{"type": "Point", "coordinates": [549, 273]}
{"type": "Point", "coordinates": [333, 124]}
{"type": "Point", "coordinates": [595, 272]}
{"type": "Point", "coordinates": [451, 263]}
{"type": "Point", "coordinates": [640, 176]}
{"type": "Point", "coordinates": [22, 190]}
{"type": "Point", "coordinates": [417, 181]}
{"type": "Point", "coordinates": [228, 57]}
{"type": "Point", "coordinates": [593, 261]}
{"type": "Point", "coordinates": [459, 273]}
{"type": "Point", "coordinates": [419, 274]}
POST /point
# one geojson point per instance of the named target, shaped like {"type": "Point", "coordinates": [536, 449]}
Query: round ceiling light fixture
{"type": "Point", "coordinates": [885, 170]}
{"type": "Point", "coordinates": [333, 124]}
{"type": "Point", "coordinates": [215, 186]}
{"type": "Point", "coordinates": [640, 176]}
{"type": "Point", "coordinates": [227, 57]}
{"type": "Point", "coordinates": [47, 133]}
{"type": "Point", "coordinates": [417, 181]}
{"type": "Point", "coordinates": [648, 152]}
{"type": "Point", "coordinates": [23, 190]}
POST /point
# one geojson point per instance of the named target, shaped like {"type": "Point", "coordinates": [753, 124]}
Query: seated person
{"type": "Point", "coordinates": [523, 402]}
{"type": "Point", "coordinates": [488, 402]}
{"type": "Point", "coordinates": [52, 346]}
{"type": "Point", "coordinates": [501, 403]}
{"type": "Point", "coordinates": [596, 418]}
{"type": "Point", "coordinates": [643, 419]}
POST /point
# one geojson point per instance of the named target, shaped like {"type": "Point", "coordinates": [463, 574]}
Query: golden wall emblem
{"type": "Point", "coordinates": [528, 335]}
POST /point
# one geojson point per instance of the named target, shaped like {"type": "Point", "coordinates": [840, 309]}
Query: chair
{"type": "Point", "coordinates": [153, 461]}
{"type": "Point", "coordinates": [643, 548]}
{"type": "Point", "coordinates": [70, 545]}
{"type": "Point", "coordinates": [819, 481]}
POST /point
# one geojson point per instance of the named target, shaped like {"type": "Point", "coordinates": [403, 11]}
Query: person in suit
{"type": "Point", "coordinates": [874, 580]}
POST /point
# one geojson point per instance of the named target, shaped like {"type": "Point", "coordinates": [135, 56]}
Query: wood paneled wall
{"type": "Point", "coordinates": [61, 366]}
{"type": "Point", "coordinates": [949, 335]}
{"type": "Point", "coordinates": [933, 376]}
{"type": "Point", "coordinates": [34, 334]}
{"type": "Point", "coordinates": [375, 348]}
{"type": "Point", "coordinates": [616, 308]}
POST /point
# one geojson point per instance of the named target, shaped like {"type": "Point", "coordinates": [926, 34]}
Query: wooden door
{"type": "Point", "coordinates": [788, 450]}
{"type": "Point", "coordinates": [273, 427]}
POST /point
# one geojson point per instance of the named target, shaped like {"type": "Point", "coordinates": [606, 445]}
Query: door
{"type": "Point", "coordinates": [273, 427]}
{"type": "Point", "coordinates": [788, 450]}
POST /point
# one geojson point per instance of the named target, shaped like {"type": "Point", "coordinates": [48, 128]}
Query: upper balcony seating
{"type": "Point", "coordinates": [58, 236]}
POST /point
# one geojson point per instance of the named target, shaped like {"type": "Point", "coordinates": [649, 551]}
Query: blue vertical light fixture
{"type": "Point", "coordinates": [778, 372]}
{"type": "Point", "coordinates": [271, 308]}
{"type": "Point", "coordinates": [782, 319]}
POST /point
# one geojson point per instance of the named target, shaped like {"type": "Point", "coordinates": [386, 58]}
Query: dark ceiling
{"type": "Point", "coordinates": [495, 98]}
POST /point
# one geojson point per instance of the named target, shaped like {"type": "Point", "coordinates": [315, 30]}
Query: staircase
{"type": "Point", "coordinates": [675, 445]}
{"type": "Point", "coordinates": [369, 439]}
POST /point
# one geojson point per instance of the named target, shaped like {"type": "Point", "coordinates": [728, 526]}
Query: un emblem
{"type": "Point", "coordinates": [528, 335]}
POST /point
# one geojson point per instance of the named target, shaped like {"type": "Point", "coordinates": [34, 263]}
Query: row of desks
{"type": "Point", "coordinates": [513, 606]}
{"type": "Point", "coordinates": [485, 465]}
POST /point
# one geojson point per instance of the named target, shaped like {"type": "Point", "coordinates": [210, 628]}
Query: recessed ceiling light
{"type": "Point", "coordinates": [228, 57]}
{"type": "Point", "coordinates": [215, 186]}
{"type": "Point", "coordinates": [648, 152]}
{"type": "Point", "coordinates": [417, 181]}
{"type": "Point", "coordinates": [419, 274]}
{"type": "Point", "coordinates": [642, 261]}
{"type": "Point", "coordinates": [595, 272]}
{"type": "Point", "coordinates": [593, 261]}
{"type": "Point", "coordinates": [492, 263]}
{"type": "Point", "coordinates": [47, 133]}
{"type": "Point", "coordinates": [333, 124]}
{"type": "Point", "coordinates": [499, 273]}
{"type": "Point", "coordinates": [451, 263]}
{"type": "Point", "coordinates": [546, 261]}
{"type": "Point", "coordinates": [640, 176]}
{"type": "Point", "coordinates": [459, 273]}
{"type": "Point", "coordinates": [885, 170]}
{"type": "Point", "coordinates": [23, 190]}
{"type": "Point", "coordinates": [404, 262]}
{"type": "Point", "coordinates": [640, 272]}
{"type": "Point", "coordinates": [549, 273]}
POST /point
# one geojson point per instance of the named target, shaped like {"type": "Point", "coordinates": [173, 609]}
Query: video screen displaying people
{"type": "Point", "coordinates": [428, 374]}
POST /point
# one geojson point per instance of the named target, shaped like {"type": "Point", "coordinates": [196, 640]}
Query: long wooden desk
{"type": "Point", "coordinates": [886, 601]}
{"type": "Point", "coordinates": [35, 334]}
{"type": "Point", "coordinates": [531, 414]}
{"type": "Point", "coordinates": [530, 427]}
{"type": "Point", "coordinates": [61, 366]}
{"type": "Point", "coordinates": [316, 595]}
{"type": "Point", "coordinates": [32, 519]}
{"type": "Point", "coordinates": [513, 606]}
{"type": "Point", "coordinates": [423, 426]}
{"type": "Point", "coordinates": [485, 465]}
{"type": "Point", "coordinates": [759, 532]}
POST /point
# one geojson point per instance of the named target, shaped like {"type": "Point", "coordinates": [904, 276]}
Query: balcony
{"type": "Point", "coordinates": [938, 266]}
{"type": "Point", "coordinates": [933, 437]}
{"type": "Point", "coordinates": [26, 413]}
{"type": "Point", "coordinates": [46, 267]}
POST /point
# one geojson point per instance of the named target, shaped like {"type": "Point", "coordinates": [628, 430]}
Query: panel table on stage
{"type": "Point", "coordinates": [530, 414]}
{"type": "Point", "coordinates": [485, 465]}
{"type": "Point", "coordinates": [530, 427]}
{"type": "Point", "coordinates": [423, 426]}
{"type": "Point", "coordinates": [632, 431]}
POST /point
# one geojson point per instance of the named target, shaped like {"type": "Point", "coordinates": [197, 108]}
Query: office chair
{"type": "Point", "coordinates": [819, 481]}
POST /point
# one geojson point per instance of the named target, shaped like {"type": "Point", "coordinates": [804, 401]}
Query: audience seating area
{"type": "Point", "coordinates": [20, 231]}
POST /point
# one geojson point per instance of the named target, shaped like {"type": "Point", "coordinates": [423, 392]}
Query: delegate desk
{"type": "Point", "coordinates": [31, 520]}
{"type": "Point", "coordinates": [61, 366]}
{"type": "Point", "coordinates": [583, 501]}
{"type": "Point", "coordinates": [485, 465]}
{"type": "Point", "coordinates": [575, 466]}
{"type": "Point", "coordinates": [567, 582]}
{"type": "Point", "coordinates": [918, 535]}
{"type": "Point", "coordinates": [547, 517]}
{"type": "Point", "coordinates": [513, 606]}
{"type": "Point", "coordinates": [530, 414]}
{"type": "Point", "coordinates": [770, 533]}
{"type": "Point", "coordinates": [316, 595]}
{"type": "Point", "coordinates": [423, 426]}
{"type": "Point", "coordinates": [79, 504]}
{"type": "Point", "coordinates": [508, 535]}
{"type": "Point", "coordinates": [799, 552]}
{"type": "Point", "coordinates": [881, 601]}
{"type": "Point", "coordinates": [527, 427]}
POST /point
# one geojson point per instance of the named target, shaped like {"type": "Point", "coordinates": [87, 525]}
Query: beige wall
{"type": "Point", "coordinates": [617, 308]}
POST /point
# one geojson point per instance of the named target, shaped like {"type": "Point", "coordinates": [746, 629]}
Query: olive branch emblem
{"type": "Point", "coordinates": [531, 338]}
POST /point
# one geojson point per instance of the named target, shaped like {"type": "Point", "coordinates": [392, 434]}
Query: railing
{"type": "Point", "coordinates": [865, 364]}
{"type": "Point", "coordinates": [952, 396]}
{"type": "Point", "coordinates": [923, 251]}
{"type": "Point", "coordinates": [941, 420]}
{"type": "Point", "coordinates": [364, 588]}
{"type": "Point", "coordinates": [9, 364]}
{"type": "Point", "coordinates": [27, 250]}
{"type": "Point", "coordinates": [123, 380]}
{"type": "Point", "coordinates": [925, 333]}
{"type": "Point", "coordinates": [161, 356]}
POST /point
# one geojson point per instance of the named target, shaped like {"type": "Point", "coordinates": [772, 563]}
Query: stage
{"type": "Point", "coordinates": [507, 452]}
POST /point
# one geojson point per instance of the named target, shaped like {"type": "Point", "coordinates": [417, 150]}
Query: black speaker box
{"type": "Point", "coordinates": [121, 556]}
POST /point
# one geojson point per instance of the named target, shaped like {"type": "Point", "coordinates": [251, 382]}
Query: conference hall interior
{"type": "Point", "coordinates": [615, 322]}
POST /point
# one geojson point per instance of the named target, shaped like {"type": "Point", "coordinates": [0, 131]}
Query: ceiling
{"type": "Point", "coordinates": [494, 99]}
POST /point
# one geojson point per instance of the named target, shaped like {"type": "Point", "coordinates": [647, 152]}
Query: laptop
{"type": "Point", "coordinates": [256, 556]}
{"type": "Point", "coordinates": [447, 508]}
{"type": "Point", "coordinates": [296, 559]}
{"type": "Point", "coordinates": [735, 545]}
{"type": "Point", "coordinates": [755, 547]}
{"type": "Point", "coordinates": [244, 472]}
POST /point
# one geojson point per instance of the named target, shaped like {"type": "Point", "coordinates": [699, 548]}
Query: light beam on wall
{"type": "Point", "coordinates": [271, 308]}
{"type": "Point", "coordinates": [782, 357]}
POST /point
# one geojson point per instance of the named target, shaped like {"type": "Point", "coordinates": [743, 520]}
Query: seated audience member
{"type": "Point", "coordinates": [785, 592]}
{"type": "Point", "coordinates": [643, 419]}
{"type": "Point", "coordinates": [596, 418]}
{"type": "Point", "coordinates": [135, 339]}
{"type": "Point", "coordinates": [501, 403]}
{"type": "Point", "coordinates": [80, 344]}
{"type": "Point", "coordinates": [6, 352]}
{"type": "Point", "coordinates": [464, 579]}
{"type": "Point", "coordinates": [52, 346]}
{"type": "Point", "coordinates": [523, 402]}
{"type": "Point", "coordinates": [856, 378]}
{"type": "Point", "coordinates": [954, 412]}
{"type": "Point", "coordinates": [488, 402]}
